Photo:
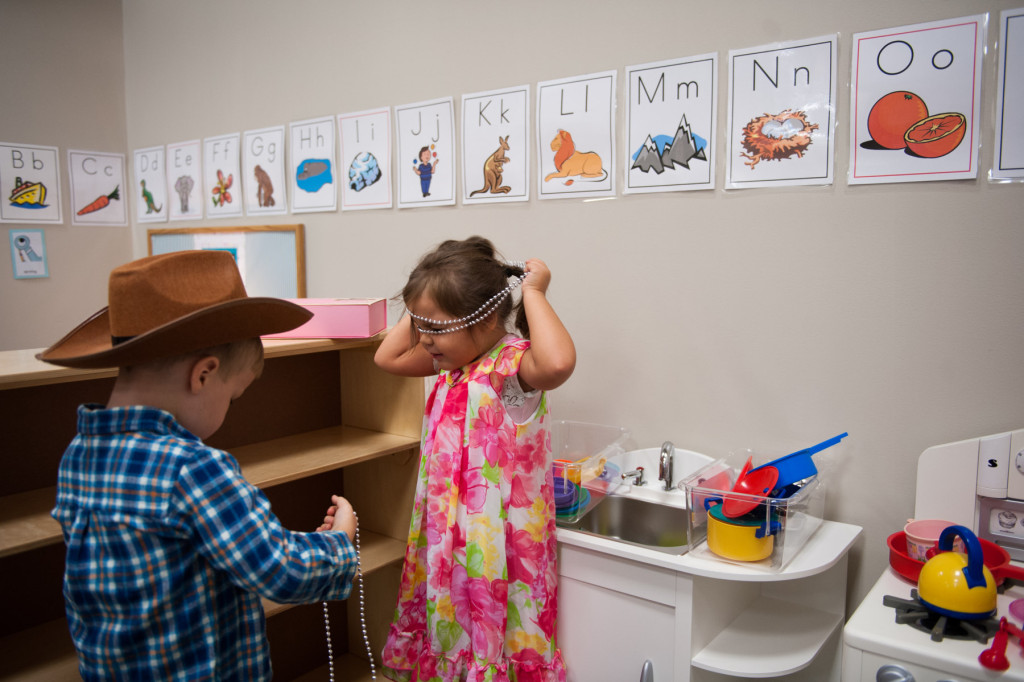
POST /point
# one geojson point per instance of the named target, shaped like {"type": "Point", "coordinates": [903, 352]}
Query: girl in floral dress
{"type": "Point", "coordinates": [478, 595]}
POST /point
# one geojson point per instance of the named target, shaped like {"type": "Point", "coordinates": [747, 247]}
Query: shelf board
{"type": "Point", "coordinates": [43, 653]}
{"type": "Point", "coordinates": [376, 551]}
{"type": "Point", "coordinates": [25, 521]}
{"type": "Point", "coordinates": [281, 460]}
{"type": "Point", "coordinates": [20, 368]}
{"type": "Point", "coordinates": [770, 638]}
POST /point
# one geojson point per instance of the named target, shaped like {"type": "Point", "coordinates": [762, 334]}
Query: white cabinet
{"type": "Point", "coordinates": [614, 614]}
{"type": "Point", "coordinates": [696, 618]}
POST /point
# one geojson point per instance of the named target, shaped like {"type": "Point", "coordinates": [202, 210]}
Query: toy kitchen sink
{"type": "Point", "coordinates": [630, 496]}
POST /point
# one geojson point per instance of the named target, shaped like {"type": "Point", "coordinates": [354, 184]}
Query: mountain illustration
{"type": "Point", "coordinates": [660, 152]}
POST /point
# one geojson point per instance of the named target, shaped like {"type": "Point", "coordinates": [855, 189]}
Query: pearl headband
{"type": "Point", "coordinates": [481, 313]}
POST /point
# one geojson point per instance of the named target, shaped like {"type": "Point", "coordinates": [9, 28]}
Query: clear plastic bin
{"type": "Point", "coordinates": [583, 475]}
{"type": "Point", "coordinates": [766, 537]}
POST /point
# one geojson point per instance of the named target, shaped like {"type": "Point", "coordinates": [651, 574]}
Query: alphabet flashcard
{"type": "Point", "coordinates": [29, 184]}
{"type": "Point", "coordinates": [495, 146]}
{"type": "Point", "coordinates": [426, 153]}
{"type": "Point", "coordinates": [98, 195]}
{"type": "Point", "coordinates": [671, 125]}
{"type": "Point", "coordinates": [1009, 148]}
{"type": "Point", "coordinates": [366, 148]}
{"type": "Point", "coordinates": [312, 165]}
{"type": "Point", "coordinates": [221, 171]}
{"type": "Point", "coordinates": [263, 171]}
{"type": "Point", "coordinates": [576, 136]}
{"type": "Point", "coordinates": [915, 98]}
{"type": "Point", "coordinates": [151, 185]}
{"type": "Point", "coordinates": [781, 121]}
{"type": "Point", "coordinates": [185, 180]}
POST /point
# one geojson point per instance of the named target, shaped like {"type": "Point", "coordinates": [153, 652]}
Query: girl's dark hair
{"type": "Point", "coordinates": [461, 276]}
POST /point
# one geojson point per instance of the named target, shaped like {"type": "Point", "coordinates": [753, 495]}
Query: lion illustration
{"type": "Point", "coordinates": [569, 162]}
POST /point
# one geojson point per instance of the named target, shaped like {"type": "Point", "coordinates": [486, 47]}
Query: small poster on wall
{"type": "Point", "coordinates": [576, 136]}
{"type": "Point", "coordinates": [29, 184]}
{"type": "Point", "coordinates": [151, 181]}
{"type": "Point", "coordinates": [28, 254]}
{"type": "Point", "coordinates": [781, 121]}
{"type": "Point", "coordinates": [426, 153]}
{"type": "Point", "coordinates": [263, 171]}
{"type": "Point", "coordinates": [98, 195]}
{"type": "Point", "coordinates": [366, 148]}
{"type": "Point", "coordinates": [1009, 148]}
{"type": "Point", "coordinates": [220, 173]}
{"type": "Point", "coordinates": [184, 180]}
{"type": "Point", "coordinates": [496, 146]}
{"type": "Point", "coordinates": [914, 102]}
{"type": "Point", "coordinates": [311, 166]}
{"type": "Point", "coordinates": [232, 242]}
{"type": "Point", "coordinates": [671, 123]}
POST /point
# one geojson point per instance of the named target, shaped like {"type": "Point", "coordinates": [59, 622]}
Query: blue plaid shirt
{"type": "Point", "coordinates": [169, 550]}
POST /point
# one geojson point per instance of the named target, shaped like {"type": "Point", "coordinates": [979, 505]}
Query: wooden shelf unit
{"type": "Point", "coordinates": [322, 419]}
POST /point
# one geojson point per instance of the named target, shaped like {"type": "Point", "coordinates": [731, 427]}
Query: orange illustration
{"type": "Point", "coordinates": [936, 135]}
{"type": "Point", "coordinates": [893, 115]}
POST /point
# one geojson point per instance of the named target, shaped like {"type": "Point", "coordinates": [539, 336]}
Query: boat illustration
{"type": "Point", "coordinates": [28, 194]}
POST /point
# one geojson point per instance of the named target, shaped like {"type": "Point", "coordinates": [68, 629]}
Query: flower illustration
{"type": "Point", "coordinates": [221, 195]}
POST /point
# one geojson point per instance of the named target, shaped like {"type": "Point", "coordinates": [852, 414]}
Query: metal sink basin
{"type": "Point", "coordinates": [637, 522]}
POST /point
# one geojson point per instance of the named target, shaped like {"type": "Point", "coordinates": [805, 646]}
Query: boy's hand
{"type": "Point", "coordinates": [340, 517]}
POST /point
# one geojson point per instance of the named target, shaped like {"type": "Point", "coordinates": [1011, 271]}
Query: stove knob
{"type": "Point", "coordinates": [893, 673]}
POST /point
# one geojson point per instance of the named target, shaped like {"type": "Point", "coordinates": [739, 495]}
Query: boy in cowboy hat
{"type": "Point", "coordinates": [169, 549]}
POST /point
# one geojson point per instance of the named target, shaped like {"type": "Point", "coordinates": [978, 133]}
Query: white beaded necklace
{"type": "Point", "coordinates": [481, 313]}
{"type": "Point", "coordinates": [362, 616]}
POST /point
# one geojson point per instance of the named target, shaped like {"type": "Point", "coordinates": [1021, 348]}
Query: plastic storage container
{"type": "Point", "coordinates": [582, 473]}
{"type": "Point", "coordinates": [767, 537]}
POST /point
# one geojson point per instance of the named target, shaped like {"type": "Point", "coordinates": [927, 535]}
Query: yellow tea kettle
{"type": "Point", "coordinates": [955, 584]}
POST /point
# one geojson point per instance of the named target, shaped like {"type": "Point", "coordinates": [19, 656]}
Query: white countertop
{"type": "Point", "coordinates": [823, 549]}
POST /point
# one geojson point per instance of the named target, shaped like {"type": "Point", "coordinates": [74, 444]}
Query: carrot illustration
{"type": "Point", "coordinates": [101, 202]}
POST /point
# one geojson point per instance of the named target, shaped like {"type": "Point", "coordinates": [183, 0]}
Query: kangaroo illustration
{"type": "Point", "coordinates": [493, 170]}
{"type": "Point", "coordinates": [148, 197]}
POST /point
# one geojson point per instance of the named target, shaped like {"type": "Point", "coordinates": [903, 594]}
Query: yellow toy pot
{"type": "Point", "coordinates": [737, 538]}
{"type": "Point", "coordinates": [958, 585]}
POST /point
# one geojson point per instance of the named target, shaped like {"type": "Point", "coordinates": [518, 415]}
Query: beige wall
{"type": "Point", "coordinates": [720, 320]}
{"type": "Point", "coordinates": [63, 85]}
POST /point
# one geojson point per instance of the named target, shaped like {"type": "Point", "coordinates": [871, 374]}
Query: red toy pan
{"type": "Point", "coordinates": [996, 559]}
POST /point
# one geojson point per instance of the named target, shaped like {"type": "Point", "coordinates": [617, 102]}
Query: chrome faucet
{"type": "Point", "coordinates": [668, 451]}
{"type": "Point", "coordinates": [637, 475]}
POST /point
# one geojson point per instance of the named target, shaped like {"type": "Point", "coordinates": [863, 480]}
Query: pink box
{"type": "Point", "coordinates": [339, 318]}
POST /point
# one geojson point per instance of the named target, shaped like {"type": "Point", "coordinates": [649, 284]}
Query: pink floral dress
{"type": "Point", "coordinates": [479, 586]}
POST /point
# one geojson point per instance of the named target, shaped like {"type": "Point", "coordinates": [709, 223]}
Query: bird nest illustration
{"type": "Point", "coordinates": [776, 137]}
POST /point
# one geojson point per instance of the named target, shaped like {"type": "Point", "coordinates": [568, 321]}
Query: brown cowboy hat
{"type": "Point", "coordinates": [168, 305]}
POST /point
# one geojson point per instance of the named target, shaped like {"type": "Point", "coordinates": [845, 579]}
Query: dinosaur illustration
{"type": "Point", "coordinates": [493, 170]}
{"type": "Point", "coordinates": [147, 196]}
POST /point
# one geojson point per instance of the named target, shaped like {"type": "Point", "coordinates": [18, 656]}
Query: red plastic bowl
{"type": "Point", "coordinates": [996, 558]}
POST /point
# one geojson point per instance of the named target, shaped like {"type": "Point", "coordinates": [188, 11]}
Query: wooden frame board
{"type": "Point", "coordinates": [271, 258]}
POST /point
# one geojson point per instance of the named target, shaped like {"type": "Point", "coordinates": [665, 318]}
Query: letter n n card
{"type": "Point", "coordinates": [781, 122]}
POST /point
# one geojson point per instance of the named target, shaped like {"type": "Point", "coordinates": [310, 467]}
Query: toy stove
{"type": "Point", "coordinates": [892, 637]}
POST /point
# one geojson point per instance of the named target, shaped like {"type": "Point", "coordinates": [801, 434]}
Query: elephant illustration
{"type": "Point", "coordinates": [184, 188]}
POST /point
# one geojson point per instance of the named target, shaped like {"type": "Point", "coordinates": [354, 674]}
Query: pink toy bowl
{"type": "Point", "coordinates": [923, 535]}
